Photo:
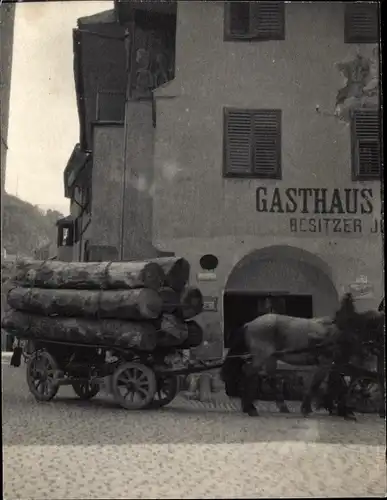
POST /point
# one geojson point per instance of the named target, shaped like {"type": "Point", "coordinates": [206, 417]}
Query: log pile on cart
{"type": "Point", "coordinates": [77, 314]}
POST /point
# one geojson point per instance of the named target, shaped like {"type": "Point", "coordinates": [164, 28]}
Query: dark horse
{"type": "Point", "coordinates": [327, 343]}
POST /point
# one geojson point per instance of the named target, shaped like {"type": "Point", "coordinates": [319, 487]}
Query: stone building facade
{"type": "Point", "coordinates": [242, 148]}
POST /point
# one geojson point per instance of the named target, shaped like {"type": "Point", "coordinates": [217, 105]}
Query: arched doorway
{"type": "Point", "coordinates": [280, 279]}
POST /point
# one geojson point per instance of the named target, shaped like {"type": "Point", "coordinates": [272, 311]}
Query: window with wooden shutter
{"type": "Point", "coordinates": [252, 143]}
{"type": "Point", "coordinates": [361, 24]}
{"type": "Point", "coordinates": [254, 21]}
{"type": "Point", "coordinates": [366, 159]}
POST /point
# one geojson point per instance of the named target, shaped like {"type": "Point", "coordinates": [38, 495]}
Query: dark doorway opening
{"type": "Point", "coordinates": [241, 307]}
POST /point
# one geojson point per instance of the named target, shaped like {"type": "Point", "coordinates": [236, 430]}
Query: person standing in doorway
{"type": "Point", "coordinates": [271, 305]}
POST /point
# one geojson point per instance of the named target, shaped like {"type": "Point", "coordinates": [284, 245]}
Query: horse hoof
{"type": "Point", "coordinates": [251, 412]}
{"type": "Point", "coordinates": [306, 411]}
{"type": "Point", "coordinates": [351, 418]}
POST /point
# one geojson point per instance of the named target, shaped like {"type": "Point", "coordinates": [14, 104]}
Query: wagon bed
{"type": "Point", "coordinates": [136, 379]}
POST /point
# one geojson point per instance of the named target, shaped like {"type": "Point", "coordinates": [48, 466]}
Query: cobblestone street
{"type": "Point", "coordinates": [72, 449]}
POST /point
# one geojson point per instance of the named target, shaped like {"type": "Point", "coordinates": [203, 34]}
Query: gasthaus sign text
{"type": "Point", "coordinates": [322, 210]}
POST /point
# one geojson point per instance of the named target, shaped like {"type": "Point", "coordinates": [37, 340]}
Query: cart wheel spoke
{"type": "Point", "coordinates": [132, 396]}
{"type": "Point", "coordinates": [167, 390]}
{"type": "Point", "coordinates": [38, 384]}
{"type": "Point", "coordinates": [128, 391]}
{"type": "Point", "coordinates": [48, 386]}
{"type": "Point", "coordinates": [144, 385]}
{"type": "Point", "coordinates": [125, 378]}
{"type": "Point", "coordinates": [365, 395]}
{"type": "Point", "coordinates": [142, 391]}
{"type": "Point", "coordinates": [85, 390]}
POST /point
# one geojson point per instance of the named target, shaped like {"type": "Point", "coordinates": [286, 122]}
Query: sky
{"type": "Point", "coordinates": [43, 121]}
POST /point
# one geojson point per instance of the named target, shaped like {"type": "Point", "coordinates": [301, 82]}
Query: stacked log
{"type": "Point", "coordinates": [195, 335]}
{"type": "Point", "coordinates": [181, 303]}
{"type": "Point", "coordinates": [141, 335]}
{"type": "Point", "coordinates": [191, 302]}
{"type": "Point", "coordinates": [136, 304]}
{"type": "Point", "coordinates": [170, 299]}
{"type": "Point", "coordinates": [88, 275]}
{"type": "Point", "coordinates": [176, 271]}
{"type": "Point", "coordinates": [125, 304]}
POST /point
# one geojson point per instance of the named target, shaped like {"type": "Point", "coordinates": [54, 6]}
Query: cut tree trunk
{"type": "Point", "coordinates": [195, 335]}
{"type": "Point", "coordinates": [88, 275]}
{"type": "Point", "coordinates": [191, 302]}
{"type": "Point", "coordinates": [176, 270]}
{"type": "Point", "coordinates": [137, 304]}
{"type": "Point", "coordinates": [173, 331]}
{"type": "Point", "coordinates": [126, 334]}
{"type": "Point", "coordinates": [170, 299]}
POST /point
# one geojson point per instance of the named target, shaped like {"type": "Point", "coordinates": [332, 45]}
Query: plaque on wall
{"type": "Point", "coordinates": [206, 276]}
{"type": "Point", "coordinates": [362, 288]}
{"type": "Point", "coordinates": [210, 304]}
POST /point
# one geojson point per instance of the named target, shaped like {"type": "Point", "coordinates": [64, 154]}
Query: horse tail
{"type": "Point", "coordinates": [231, 371]}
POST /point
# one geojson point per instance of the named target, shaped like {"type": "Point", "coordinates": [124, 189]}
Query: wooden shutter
{"type": "Point", "coordinates": [255, 20]}
{"type": "Point", "coordinates": [239, 18]}
{"type": "Point", "coordinates": [366, 144]}
{"type": "Point", "coordinates": [267, 20]}
{"type": "Point", "coordinates": [237, 136]}
{"type": "Point", "coordinates": [361, 23]}
{"type": "Point", "coordinates": [252, 143]}
{"type": "Point", "coordinates": [267, 143]}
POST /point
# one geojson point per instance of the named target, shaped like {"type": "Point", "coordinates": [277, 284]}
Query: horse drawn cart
{"type": "Point", "coordinates": [150, 380]}
{"type": "Point", "coordinates": [136, 379]}
{"type": "Point", "coordinates": [122, 326]}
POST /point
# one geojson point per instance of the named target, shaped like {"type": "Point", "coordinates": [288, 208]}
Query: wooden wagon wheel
{"type": "Point", "coordinates": [365, 395]}
{"type": "Point", "coordinates": [134, 385]}
{"type": "Point", "coordinates": [41, 371]}
{"type": "Point", "coordinates": [167, 389]}
{"type": "Point", "coordinates": [85, 390]}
